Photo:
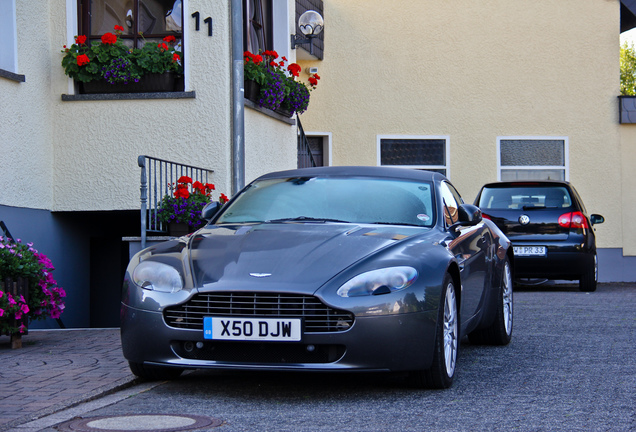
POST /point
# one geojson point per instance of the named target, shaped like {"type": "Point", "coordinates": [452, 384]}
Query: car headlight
{"type": "Point", "coordinates": [153, 275]}
{"type": "Point", "coordinates": [381, 281]}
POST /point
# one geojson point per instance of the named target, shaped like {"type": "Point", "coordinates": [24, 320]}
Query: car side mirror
{"type": "Point", "coordinates": [596, 219]}
{"type": "Point", "coordinates": [210, 210]}
{"type": "Point", "coordinates": [468, 215]}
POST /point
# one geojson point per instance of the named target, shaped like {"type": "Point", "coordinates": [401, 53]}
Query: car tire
{"type": "Point", "coordinates": [154, 373]}
{"type": "Point", "coordinates": [500, 331]}
{"type": "Point", "coordinates": [441, 373]}
{"type": "Point", "coordinates": [589, 278]}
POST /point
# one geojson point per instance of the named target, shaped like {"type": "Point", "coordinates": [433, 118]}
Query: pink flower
{"type": "Point", "coordinates": [1, 312]}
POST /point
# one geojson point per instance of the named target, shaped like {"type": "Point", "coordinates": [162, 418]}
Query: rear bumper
{"type": "Point", "coordinates": [565, 261]}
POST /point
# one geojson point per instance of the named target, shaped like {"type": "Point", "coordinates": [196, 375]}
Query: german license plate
{"type": "Point", "coordinates": [529, 250]}
{"type": "Point", "coordinates": [252, 329]}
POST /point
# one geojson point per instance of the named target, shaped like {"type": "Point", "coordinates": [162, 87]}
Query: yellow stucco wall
{"type": "Point", "coordinates": [628, 182]}
{"type": "Point", "coordinates": [475, 71]}
{"type": "Point", "coordinates": [82, 155]}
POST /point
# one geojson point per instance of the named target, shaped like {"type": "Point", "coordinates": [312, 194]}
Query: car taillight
{"type": "Point", "coordinates": [573, 220]}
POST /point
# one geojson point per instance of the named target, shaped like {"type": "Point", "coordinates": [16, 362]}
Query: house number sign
{"type": "Point", "coordinates": [197, 26]}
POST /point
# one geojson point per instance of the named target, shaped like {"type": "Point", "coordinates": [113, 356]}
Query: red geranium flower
{"type": "Point", "coordinates": [271, 53]}
{"type": "Point", "coordinates": [223, 198]}
{"type": "Point", "coordinates": [163, 46]}
{"type": "Point", "coordinates": [257, 58]}
{"type": "Point", "coordinates": [169, 39]}
{"type": "Point", "coordinates": [294, 69]}
{"type": "Point", "coordinates": [175, 57]}
{"type": "Point", "coordinates": [198, 186]}
{"type": "Point", "coordinates": [181, 191]}
{"type": "Point", "coordinates": [119, 28]}
{"type": "Point", "coordinates": [80, 40]}
{"type": "Point", "coordinates": [109, 38]}
{"type": "Point", "coordinates": [209, 186]}
{"type": "Point", "coordinates": [82, 59]}
{"type": "Point", "coordinates": [184, 179]}
{"type": "Point", "coordinates": [313, 81]}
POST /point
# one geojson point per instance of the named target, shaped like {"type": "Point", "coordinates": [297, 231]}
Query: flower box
{"type": "Point", "coordinates": [150, 83]}
{"type": "Point", "coordinates": [252, 90]}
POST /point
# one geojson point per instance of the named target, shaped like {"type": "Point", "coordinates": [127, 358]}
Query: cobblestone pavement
{"type": "Point", "coordinates": [57, 369]}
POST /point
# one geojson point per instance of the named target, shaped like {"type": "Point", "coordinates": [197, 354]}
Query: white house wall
{"type": "Point", "coordinates": [82, 155]}
{"type": "Point", "coordinates": [26, 149]}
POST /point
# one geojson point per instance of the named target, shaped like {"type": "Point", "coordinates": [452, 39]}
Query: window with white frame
{"type": "Point", "coordinates": [417, 152]}
{"type": "Point", "coordinates": [266, 26]}
{"type": "Point", "coordinates": [532, 158]}
{"type": "Point", "coordinates": [8, 36]}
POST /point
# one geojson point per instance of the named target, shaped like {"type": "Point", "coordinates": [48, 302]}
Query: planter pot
{"type": "Point", "coordinates": [151, 83]}
{"type": "Point", "coordinates": [17, 288]}
{"type": "Point", "coordinates": [178, 229]}
{"type": "Point", "coordinates": [285, 110]}
{"type": "Point", "coordinates": [252, 90]}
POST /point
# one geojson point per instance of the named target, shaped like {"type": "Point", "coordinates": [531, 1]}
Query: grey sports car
{"type": "Point", "coordinates": [323, 269]}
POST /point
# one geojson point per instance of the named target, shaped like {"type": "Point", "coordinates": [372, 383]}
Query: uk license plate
{"type": "Point", "coordinates": [252, 329]}
{"type": "Point", "coordinates": [529, 250]}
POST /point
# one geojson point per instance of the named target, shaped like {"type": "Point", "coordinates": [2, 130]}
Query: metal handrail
{"type": "Point", "coordinates": [157, 176]}
{"type": "Point", "coordinates": [306, 158]}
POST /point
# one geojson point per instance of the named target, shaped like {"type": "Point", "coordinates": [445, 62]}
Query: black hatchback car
{"type": "Point", "coordinates": [548, 226]}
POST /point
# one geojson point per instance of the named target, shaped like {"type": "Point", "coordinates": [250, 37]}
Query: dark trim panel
{"type": "Point", "coordinates": [128, 96]}
{"type": "Point", "coordinates": [12, 76]}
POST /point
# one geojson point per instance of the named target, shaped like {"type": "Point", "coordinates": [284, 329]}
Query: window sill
{"type": "Point", "coordinates": [12, 76]}
{"type": "Point", "coordinates": [129, 96]}
{"type": "Point", "coordinates": [269, 113]}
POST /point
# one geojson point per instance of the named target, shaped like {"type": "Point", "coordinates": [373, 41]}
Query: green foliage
{"type": "Point", "coordinates": [628, 70]}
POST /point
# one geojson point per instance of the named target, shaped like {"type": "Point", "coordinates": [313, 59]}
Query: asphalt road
{"type": "Point", "coordinates": [571, 366]}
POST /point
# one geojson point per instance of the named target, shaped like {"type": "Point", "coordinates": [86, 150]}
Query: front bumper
{"type": "Point", "coordinates": [399, 342]}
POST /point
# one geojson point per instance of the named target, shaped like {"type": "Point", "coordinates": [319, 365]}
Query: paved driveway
{"type": "Point", "coordinates": [571, 366]}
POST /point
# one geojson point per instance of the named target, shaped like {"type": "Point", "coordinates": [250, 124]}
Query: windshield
{"type": "Point", "coordinates": [355, 200]}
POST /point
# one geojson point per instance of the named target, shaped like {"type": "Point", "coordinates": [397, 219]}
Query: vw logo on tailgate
{"type": "Point", "coordinates": [524, 219]}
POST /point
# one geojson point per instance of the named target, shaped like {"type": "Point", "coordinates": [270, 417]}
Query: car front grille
{"type": "Point", "coordinates": [316, 316]}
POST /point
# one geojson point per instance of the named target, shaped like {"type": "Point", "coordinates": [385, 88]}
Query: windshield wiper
{"type": "Point", "coordinates": [305, 219]}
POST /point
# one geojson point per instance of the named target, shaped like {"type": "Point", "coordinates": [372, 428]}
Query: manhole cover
{"type": "Point", "coordinates": [139, 423]}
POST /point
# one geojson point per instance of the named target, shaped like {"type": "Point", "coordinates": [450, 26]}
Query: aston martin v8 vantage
{"type": "Point", "coordinates": [323, 269]}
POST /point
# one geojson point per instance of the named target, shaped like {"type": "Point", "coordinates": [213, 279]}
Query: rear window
{"type": "Point", "coordinates": [525, 197]}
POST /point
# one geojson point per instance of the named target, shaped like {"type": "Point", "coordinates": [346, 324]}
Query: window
{"type": "Point", "coordinates": [257, 26]}
{"type": "Point", "coordinates": [142, 20]}
{"type": "Point", "coordinates": [423, 152]}
{"type": "Point", "coordinates": [8, 36]}
{"type": "Point", "coordinates": [529, 158]}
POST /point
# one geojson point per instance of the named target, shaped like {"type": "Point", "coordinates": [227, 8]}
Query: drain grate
{"type": "Point", "coordinates": [139, 423]}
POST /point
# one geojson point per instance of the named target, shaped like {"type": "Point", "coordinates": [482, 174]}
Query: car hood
{"type": "Point", "coordinates": [284, 257]}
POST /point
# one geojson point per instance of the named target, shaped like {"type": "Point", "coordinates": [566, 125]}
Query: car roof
{"type": "Point", "coordinates": [358, 171]}
{"type": "Point", "coordinates": [528, 183]}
